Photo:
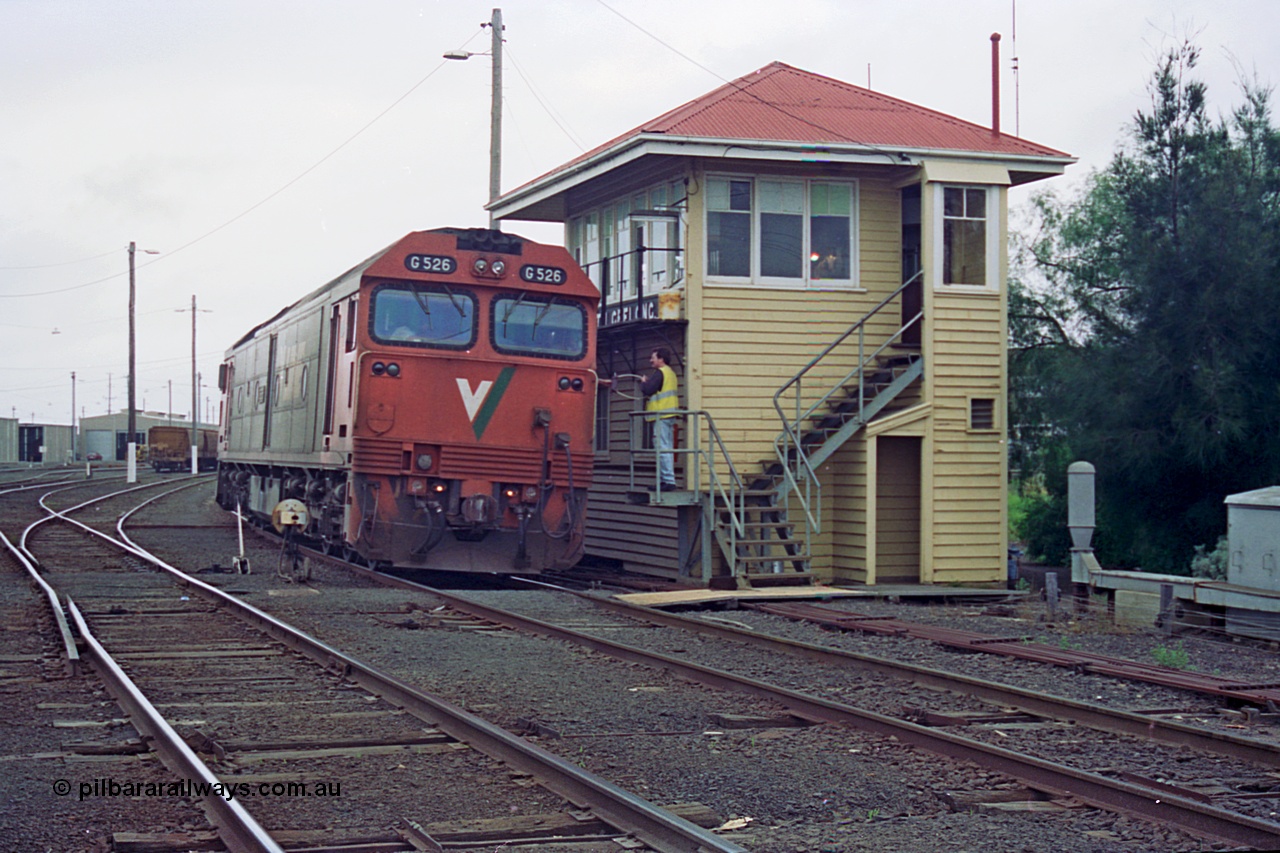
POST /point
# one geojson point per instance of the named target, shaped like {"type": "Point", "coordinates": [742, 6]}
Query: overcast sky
{"type": "Point", "coordinates": [263, 147]}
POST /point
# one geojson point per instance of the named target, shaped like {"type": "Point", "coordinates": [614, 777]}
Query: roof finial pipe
{"type": "Point", "coordinates": [995, 84]}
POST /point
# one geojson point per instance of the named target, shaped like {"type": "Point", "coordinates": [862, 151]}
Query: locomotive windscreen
{"type": "Point", "coordinates": [435, 317]}
{"type": "Point", "coordinates": [539, 326]}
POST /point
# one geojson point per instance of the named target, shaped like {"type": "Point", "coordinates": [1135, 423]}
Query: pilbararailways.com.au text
{"type": "Point", "coordinates": [198, 788]}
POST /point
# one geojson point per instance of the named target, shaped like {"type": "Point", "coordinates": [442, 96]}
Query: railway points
{"type": "Point", "coordinates": [504, 675]}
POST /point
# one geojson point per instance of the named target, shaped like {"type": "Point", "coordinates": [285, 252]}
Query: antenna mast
{"type": "Point", "coordinates": [1017, 115]}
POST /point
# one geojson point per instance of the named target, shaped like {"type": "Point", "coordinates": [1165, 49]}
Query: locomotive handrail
{"type": "Point", "coordinates": [730, 490]}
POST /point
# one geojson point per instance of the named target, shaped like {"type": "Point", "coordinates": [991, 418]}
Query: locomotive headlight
{"type": "Point", "coordinates": [577, 384]}
{"type": "Point", "coordinates": [378, 368]}
{"type": "Point", "coordinates": [498, 267]}
{"type": "Point", "coordinates": [439, 488]}
{"type": "Point", "coordinates": [425, 461]}
{"type": "Point", "coordinates": [511, 492]}
{"type": "Point", "coordinates": [564, 383]}
{"type": "Point", "coordinates": [480, 266]}
{"type": "Point", "coordinates": [530, 493]}
{"type": "Point", "coordinates": [393, 369]}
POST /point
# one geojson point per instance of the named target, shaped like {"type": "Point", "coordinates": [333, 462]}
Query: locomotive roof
{"type": "Point", "coordinates": [355, 271]}
{"type": "Point", "coordinates": [472, 235]}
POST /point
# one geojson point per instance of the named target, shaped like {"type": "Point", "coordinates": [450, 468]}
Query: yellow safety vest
{"type": "Point", "coordinates": [667, 397]}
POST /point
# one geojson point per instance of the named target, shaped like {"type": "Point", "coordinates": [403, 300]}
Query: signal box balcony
{"type": "Point", "coordinates": [641, 285]}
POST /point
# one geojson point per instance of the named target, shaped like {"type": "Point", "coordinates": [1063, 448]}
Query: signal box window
{"type": "Point", "coordinates": [551, 328]}
{"type": "Point", "coordinates": [964, 236]}
{"type": "Point", "coordinates": [728, 227]}
{"type": "Point", "coordinates": [782, 233]}
{"type": "Point", "coordinates": [781, 229]}
{"type": "Point", "coordinates": [830, 227]}
{"type": "Point", "coordinates": [415, 316]}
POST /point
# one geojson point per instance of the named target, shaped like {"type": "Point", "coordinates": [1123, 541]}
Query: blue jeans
{"type": "Point", "coordinates": [664, 438]}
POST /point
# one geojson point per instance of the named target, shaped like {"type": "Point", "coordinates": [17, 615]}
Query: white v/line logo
{"type": "Point", "coordinates": [472, 400]}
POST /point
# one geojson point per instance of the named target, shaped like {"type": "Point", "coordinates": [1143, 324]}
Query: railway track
{"type": "Point", "coordinates": [1033, 752]}
{"type": "Point", "coordinates": [1263, 693]}
{"type": "Point", "coordinates": [280, 713]}
{"type": "Point", "coordinates": [1133, 789]}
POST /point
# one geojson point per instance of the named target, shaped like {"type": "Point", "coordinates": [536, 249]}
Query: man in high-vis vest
{"type": "Point", "coordinates": [662, 389]}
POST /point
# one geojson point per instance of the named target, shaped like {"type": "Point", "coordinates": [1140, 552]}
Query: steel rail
{"type": "Point", "coordinates": [236, 827]}
{"type": "Point", "coordinates": [1090, 788]}
{"type": "Point", "coordinates": [1161, 807]}
{"type": "Point", "coordinates": [1258, 692]}
{"type": "Point", "coordinates": [70, 652]}
{"type": "Point", "coordinates": [61, 514]}
{"type": "Point", "coordinates": [651, 824]}
{"type": "Point", "coordinates": [1053, 707]}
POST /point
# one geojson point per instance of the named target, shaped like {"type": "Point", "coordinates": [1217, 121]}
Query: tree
{"type": "Point", "coordinates": [1151, 339]}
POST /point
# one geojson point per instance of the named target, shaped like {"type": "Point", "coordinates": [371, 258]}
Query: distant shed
{"type": "Point", "coordinates": [8, 440]}
{"type": "Point", "coordinates": [1253, 534]}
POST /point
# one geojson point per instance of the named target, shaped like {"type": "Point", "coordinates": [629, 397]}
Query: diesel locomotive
{"type": "Point", "coordinates": [432, 407]}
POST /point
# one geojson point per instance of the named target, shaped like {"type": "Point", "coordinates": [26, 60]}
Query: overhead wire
{"type": "Point", "coordinates": [171, 252]}
{"type": "Point", "coordinates": [742, 89]}
{"type": "Point", "coordinates": [556, 117]}
{"type": "Point", "coordinates": [63, 263]}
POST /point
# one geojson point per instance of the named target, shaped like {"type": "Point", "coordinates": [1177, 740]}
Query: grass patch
{"type": "Point", "coordinates": [1174, 656]}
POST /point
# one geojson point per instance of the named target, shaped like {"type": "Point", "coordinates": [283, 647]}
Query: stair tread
{"type": "Point", "coordinates": [772, 558]}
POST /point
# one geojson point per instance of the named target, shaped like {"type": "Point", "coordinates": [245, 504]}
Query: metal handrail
{"type": "Point", "coordinates": [730, 489]}
{"type": "Point", "coordinates": [606, 284]}
{"type": "Point", "coordinates": [789, 440]}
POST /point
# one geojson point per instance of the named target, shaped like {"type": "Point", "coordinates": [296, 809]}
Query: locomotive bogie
{"type": "Point", "coordinates": [432, 408]}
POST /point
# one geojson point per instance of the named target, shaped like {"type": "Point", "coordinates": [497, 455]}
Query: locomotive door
{"type": "Point", "coordinates": [270, 381]}
{"type": "Point", "coordinates": [331, 371]}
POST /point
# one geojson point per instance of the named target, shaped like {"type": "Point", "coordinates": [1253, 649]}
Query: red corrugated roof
{"type": "Point", "coordinates": [780, 103]}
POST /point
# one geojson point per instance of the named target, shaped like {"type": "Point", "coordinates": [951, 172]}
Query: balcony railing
{"type": "Point", "coordinates": [630, 283]}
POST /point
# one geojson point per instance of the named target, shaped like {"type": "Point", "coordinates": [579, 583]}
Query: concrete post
{"type": "Point", "coordinates": [1080, 518]}
{"type": "Point", "coordinates": [1080, 521]}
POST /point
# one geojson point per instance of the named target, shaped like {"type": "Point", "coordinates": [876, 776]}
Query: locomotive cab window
{"type": "Point", "coordinates": [406, 315]}
{"type": "Point", "coordinates": [538, 326]}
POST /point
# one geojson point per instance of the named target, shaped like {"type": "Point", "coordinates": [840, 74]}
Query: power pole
{"type": "Point", "coordinates": [131, 462]}
{"type": "Point", "coordinates": [74, 454]}
{"type": "Point", "coordinates": [195, 388]}
{"type": "Point", "coordinates": [495, 115]}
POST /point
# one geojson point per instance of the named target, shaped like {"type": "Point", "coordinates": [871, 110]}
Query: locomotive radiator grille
{"type": "Point", "coordinates": [511, 465]}
{"type": "Point", "coordinates": [377, 456]}
{"type": "Point", "coordinates": [500, 464]}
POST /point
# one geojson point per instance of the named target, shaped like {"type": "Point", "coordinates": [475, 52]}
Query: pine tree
{"type": "Point", "coordinates": [1163, 278]}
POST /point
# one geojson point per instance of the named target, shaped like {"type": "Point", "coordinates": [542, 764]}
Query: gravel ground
{"type": "Point", "coordinates": [813, 789]}
{"type": "Point", "coordinates": [42, 712]}
{"type": "Point", "coordinates": [1092, 632]}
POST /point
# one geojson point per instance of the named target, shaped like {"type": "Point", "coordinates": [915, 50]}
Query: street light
{"type": "Point", "coordinates": [131, 465]}
{"type": "Point", "coordinates": [495, 110]}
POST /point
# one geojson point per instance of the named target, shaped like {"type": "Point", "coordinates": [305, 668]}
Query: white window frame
{"type": "Point", "coordinates": [994, 230]}
{"type": "Point", "coordinates": [663, 270]}
{"type": "Point", "coordinates": [802, 282]}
